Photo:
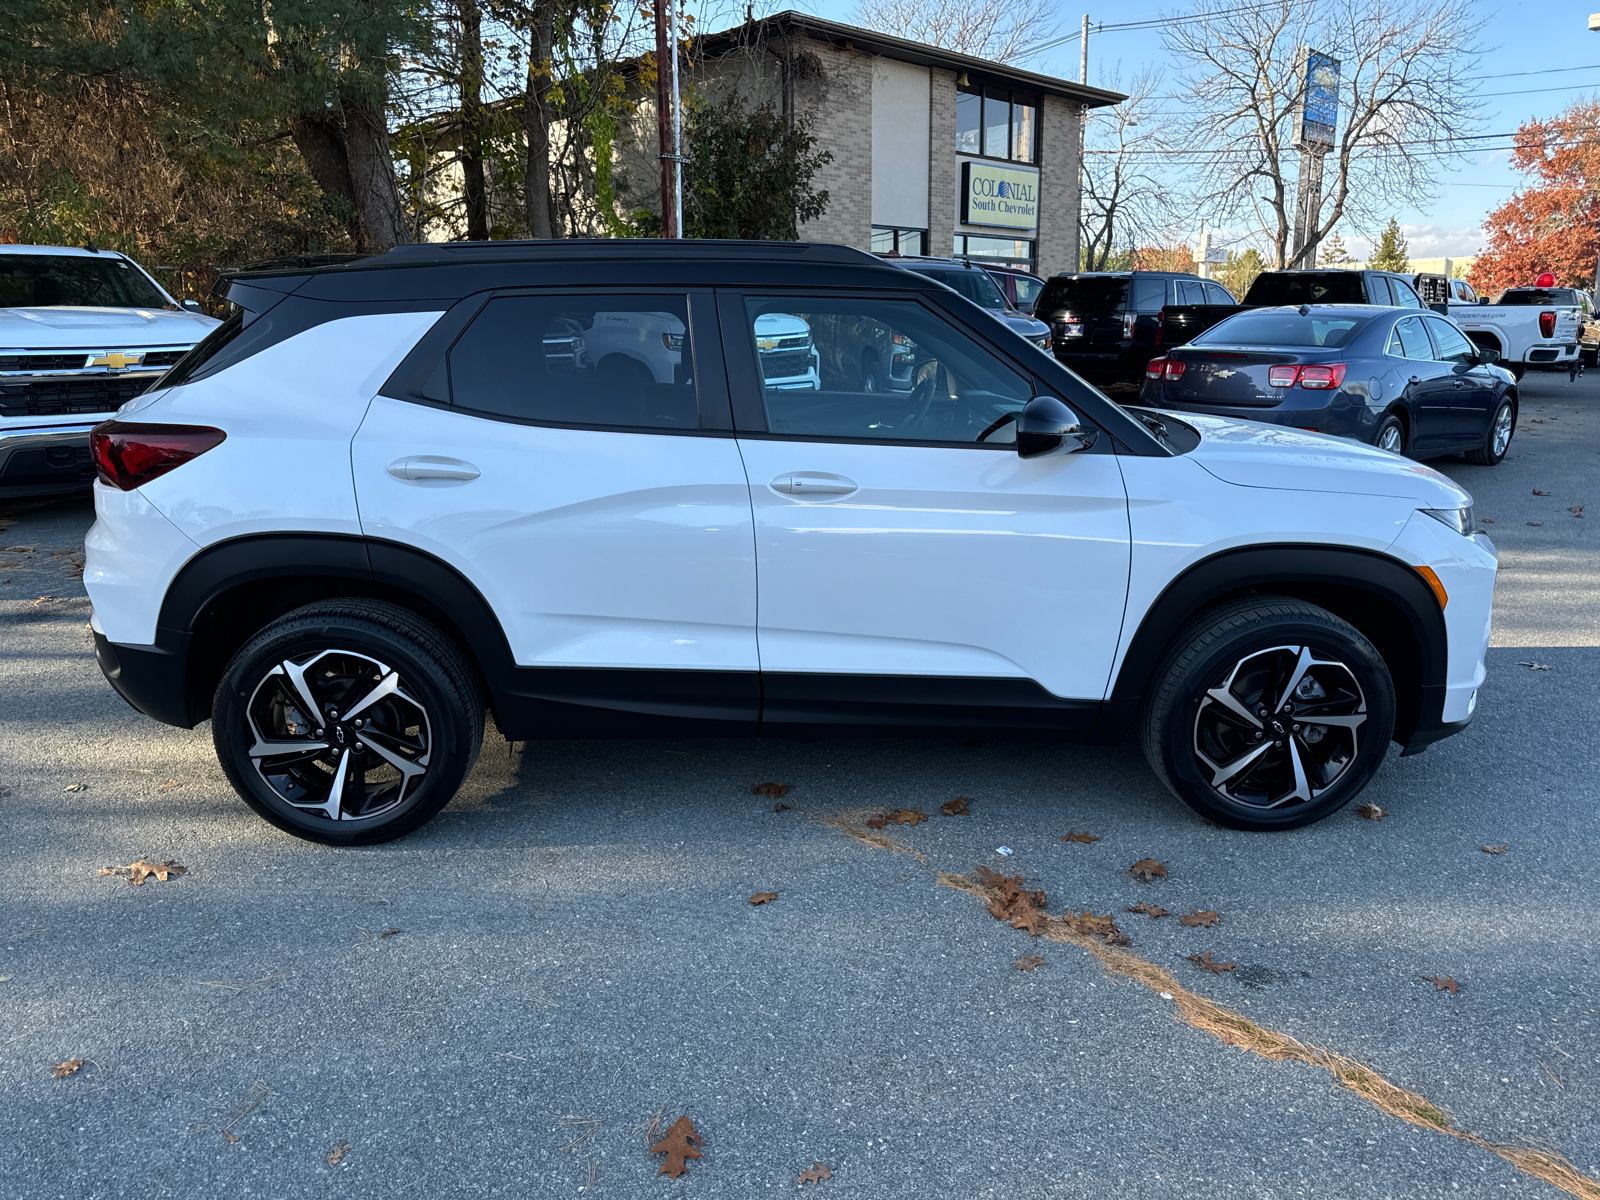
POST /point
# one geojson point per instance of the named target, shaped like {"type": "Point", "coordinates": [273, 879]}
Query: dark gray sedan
{"type": "Point", "coordinates": [1405, 381]}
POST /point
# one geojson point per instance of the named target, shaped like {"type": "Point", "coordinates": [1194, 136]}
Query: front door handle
{"type": "Point", "coordinates": [813, 483]}
{"type": "Point", "coordinates": [1458, 383]}
{"type": "Point", "coordinates": [426, 468]}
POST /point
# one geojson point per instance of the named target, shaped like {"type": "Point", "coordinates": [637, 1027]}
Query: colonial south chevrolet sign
{"type": "Point", "coordinates": [1007, 197]}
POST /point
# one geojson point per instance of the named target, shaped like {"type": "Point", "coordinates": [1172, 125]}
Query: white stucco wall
{"type": "Point", "coordinates": [899, 144]}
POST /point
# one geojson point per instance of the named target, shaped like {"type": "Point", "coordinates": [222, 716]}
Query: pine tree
{"type": "Point", "coordinates": [1390, 252]}
{"type": "Point", "coordinates": [1333, 253]}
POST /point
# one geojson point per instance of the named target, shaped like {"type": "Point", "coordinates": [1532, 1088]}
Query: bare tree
{"type": "Point", "coordinates": [1404, 106]}
{"type": "Point", "coordinates": [994, 29]}
{"type": "Point", "coordinates": [1125, 198]}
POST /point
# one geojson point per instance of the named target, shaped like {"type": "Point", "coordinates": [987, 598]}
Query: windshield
{"type": "Point", "coordinates": [52, 280]}
{"type": "Point", "coordinates": [975, 285]}
{"type": "Point", "coordinates": [1282, 329]}
{"type": "Point", "coordinates": [1538, 296]}
{"type": "Point", "coordinates": [1330, 287]}
{"type": "Point", "coordinates": [1086, 294]}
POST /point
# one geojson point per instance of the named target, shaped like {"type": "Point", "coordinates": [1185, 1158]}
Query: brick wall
{"type": "Point", "coordinates": [941, 160]}
{"type": "Point", "coordinates": [841, 106]}
{"type": "Point", "coordinates": [1059, 183]}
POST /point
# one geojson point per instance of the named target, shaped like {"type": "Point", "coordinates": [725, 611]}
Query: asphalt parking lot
{"type": "Point", "coordinates": [500, 1004]}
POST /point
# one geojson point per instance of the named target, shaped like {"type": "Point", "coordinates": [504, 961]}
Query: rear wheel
{"type": "Point", "coordinates": [1268, 713]}
{"type": "Point", "coordinates": [1498, 438]}
{"type": "Point", "coordinates": [347, 722]}
{"type": "Point", "coordinates": [1391, 435]}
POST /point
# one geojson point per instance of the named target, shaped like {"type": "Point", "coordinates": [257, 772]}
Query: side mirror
{"type": "Point", "coordinates": [1048, 426]}
{"type": "Point", "coordinates": [1486, 355]}
{"type": "Point", "coordinates": [1440, 307]}
{"type": "Point", "coordinates": [1483, 299]}
{"type": "Point", "coordinates": [192, 306]}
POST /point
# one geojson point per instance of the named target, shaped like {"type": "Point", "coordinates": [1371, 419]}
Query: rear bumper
{"type": "Point", "coordinates": [43, 460]}
{"type": "Point", "coordinates": [152, 679]}
{"type": "Point", "coordinates": [1340, 416]}
{"type": "Point", "coordinates": [1127, 362]}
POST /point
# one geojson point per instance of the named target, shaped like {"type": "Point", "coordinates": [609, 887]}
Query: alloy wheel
{"type": "Point", "coordinates": [1391, 439]}
{"type": "Point", "coordinates": [1502, 430]}
{"type": "Point", "coordinates": [337, 735]}
{"type": "Point", "coordinates": [1280, 728]}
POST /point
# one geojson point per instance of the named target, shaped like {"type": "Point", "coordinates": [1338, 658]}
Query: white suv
{"type": "Point", "coordinates": [388, 499]}
{"type": "Point", "coordinates": [81, 333]}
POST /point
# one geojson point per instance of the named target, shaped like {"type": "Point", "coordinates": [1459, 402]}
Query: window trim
{"type": "Point", "coordinates": [1032, 100]}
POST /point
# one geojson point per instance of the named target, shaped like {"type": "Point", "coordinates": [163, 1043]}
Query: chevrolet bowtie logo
{"type": "Point", "coordinates": [767, 343]}
{"type": "Point", "coordinates": [117, 360]}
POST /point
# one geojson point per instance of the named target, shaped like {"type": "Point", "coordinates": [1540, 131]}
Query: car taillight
{"type": "Point", "coordinates": [128, 454]}
{"type": "Point", "coordinates": [1175, 368]}
{"type": "Point", "coordinates": [1318, 376]}
{"type": "Point", "coordinates": [1127, 324]}
{"type": "Point", "coordinates": [1547, 324]}
{"type": "Point", "coordinates": [1282, 376]}
{"type": "Point", "coordinates": [1155, 368]}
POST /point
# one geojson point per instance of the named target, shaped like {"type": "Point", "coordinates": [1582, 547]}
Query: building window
{"type": "Point", "coordinates": [887, 240]}
{"type": "Point", "coordinates": [1004, 252]}
{"type": "Point", "coordinates": [997, 123]}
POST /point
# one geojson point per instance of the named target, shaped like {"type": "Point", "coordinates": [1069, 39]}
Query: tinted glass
{"type": "Point", "coordinates": [1149, 294]}
{"type": "Point", "coordinates": [204, 351]}
{"type": "Point", "coordinates": [1024, 123]}
{"type": "Point", "coordinates": [1028, 290]}
{"type": "Point", "coordinates": [969, 117]}
{"type": "Point", "coordinates": [1404, 294]}
{"type": "Point", "coordinates": [1410, 340]}
{"type": "Point", "coordinates": [1314, 287]}
{"type": "Point", "coordinates": [1281, 329]}
{"type": "Point", "coordinates": [1378, 290]}
{"type": "Point", "coordinates": [975, 284]}
{"type": "Point", "coordinates": [1538, 296]}
{"type": "Point", "coordinates": [579, 360]}
{"type": "Point", "coordinates": [1217, 294]}
{"type": "Point", "coordinates": [52, 280]}
{"type": "Point", "coordinates": [1453, 344]}
{"type": "Point", "coordinates": [883, 369]}
{"type": "Point", "coordinates": [1189, 292]}
{"type": "Point", "coordinates": [996, 123]}
{"type": "Point", "coordinates": [1084, 294]}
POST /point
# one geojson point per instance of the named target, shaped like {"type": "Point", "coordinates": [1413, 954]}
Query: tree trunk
{"type": "Point", "coordinates": [321, 144]}
{"type": "Point", "coordinates": [536, 121]}
{"type": "Point", "coordinates": [347, 152]}
{"type": "Point", "coordinates": [473, 188]}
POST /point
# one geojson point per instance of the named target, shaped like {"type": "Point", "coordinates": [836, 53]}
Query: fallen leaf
{"type": "Point", "coordinates": [1372, 812]}
{"type": "Point", "coordinates": [1030, 964]}
{"type": "Point", "coordinates": [44, 600]}
{"type": "Point", "coordinates": [1447, 984]}
{"type": "Point", "coordinates": [1031, 921]}
{"type": "Point", "coordinates": [229, 1136]}
{"type": "Point", "coordinates": [62, 1069]}
{"type": "Point", "coordinates": [763, 897]}
{"type": "Point", "coordinates": [780, 808]}
{"type": "Point", "coordinates": [61, 553]}
{"type": "Point", "coordinates": [1150, 910]}
{"type": "Point", "coordinates": [1147, 869]}
{"type": "Point", "coordinates": [1494, 849]}
{"type": "Point", "coordinates": [1536, 491]}
{"type": "Point", "coordinates": [336, 1156]}
{"type": "Point", "coordinates": [1199, 919]}
{"type": "Point", "coordinates": [956, 807]}
{"type": "Point", "coordinates": [21, 549]}
{"type": "Point", "coordinates": [907, 816]}
{"type": "Point", "coordinates": [816, 1174]}
{"type": "Point", "coordinates": [878, 822]}
{"type": "Point", "coordinates": [76, 787]}
{"type": "Point", "coordinates": [389, 933]}
{"type": "Point", "coordinates": [1090, 925]}
{"type": "Point", "coordinates": [171, 783]}
{"type": "Point", "coordinates": [678, 1145]}
{"type": "Point", "coordinates": [1205, 960]}
{"type": "Point", "coordinates": [1534, 666]}
{"type": "Point", "coordinates": [772, 790]}
{"type": "Point", "coordinates": [1488, 520]}
{"type": "Point", "coordinates": [138, 872]}
{"type": "Point", "coordinates": [1576, 510]}
{"type": "Point", "coordinates": [1086, 839]}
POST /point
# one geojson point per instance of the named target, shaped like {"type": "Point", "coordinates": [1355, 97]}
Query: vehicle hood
{"type": "Point", "coordinates": [780, 325]}
{"type": "Point", "coordinates": [1029, 327]}
{"type": "Point", "coordinates": [66, 328]}
{"type": "Point", "coordinates": [1251, 454]}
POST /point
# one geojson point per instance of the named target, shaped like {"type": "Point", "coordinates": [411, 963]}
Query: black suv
{"type": "Point", "coordinates": [1104, 324]}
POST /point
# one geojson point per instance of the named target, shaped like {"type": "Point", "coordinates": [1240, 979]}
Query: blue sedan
{"type": "Point", "coordinates": [1406, 381]}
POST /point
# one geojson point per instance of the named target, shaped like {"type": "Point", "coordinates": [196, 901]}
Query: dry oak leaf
{"type": "Point", "coordinates": [1205, 960]}
{"type": "Point", "coordinates": [1372, 812]}
{"type": "Point", "coordinates": [139, 871]}
{"type": "Point", "coordinates": [678, 1145]}
{"type": "Point", "coordinates": [907, 816]}
{"type": "Point", "coordinates": [1493, 849]}
{"type": "Point", "coordinates": [1073, 835]}
{"type": "Point", "coordinates": [878, 822]}
{"type": "Point", "coordinates": [62, 1069]}
{"type": "Point", "coordinates": [1031, 920]}
{"type": "Point", "coordinates": [763, 897]}
{"type": "Point", "coordinates": [1092, 926]}
{"type": "Point", "coordinates": [336, 1156]}
{"type": "Point", "coordinates": [780, 808]}
{"type": "Point", "coordinates": [816, 1174]}
{"type": "Point", "coordinates": [1447, 984]}
{"type": "Point", "coordinates": [1150, 910]}
{"type": "Point", "coordinates": [1031, 963]}
{"type": "Point", "coordinates": [1147, 869]}
{"type": "Point", "coordinates": [229, 1136]}
{"type": "Point", "coordinates": [1198, 919]}
{"type": "Point", "coordinates": [772, 790]}
{"type": "Point", "coordinates": [956, 807]}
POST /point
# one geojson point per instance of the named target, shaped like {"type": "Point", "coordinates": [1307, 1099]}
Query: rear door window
{"type": "Point", "coordinates": [1405, 295]}
{"type": "Point", "coordinates": [1410, 340]}
{"type": "Point", "coordinates": [1190, 292]}
{"type": "Point", "coordinates": [1378, 290]}
{"type": "Point", "coordinates": [1149, 294]}
{"type": "Point", "coordinates": [1217, 294]}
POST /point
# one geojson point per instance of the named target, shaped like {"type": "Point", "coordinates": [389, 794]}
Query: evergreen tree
{"type": "Point", "coordinates": [1333, 253]}
{"type": "Point", "coordinates": [1390, 252]}
{"type": "Point", "coordinates": [1240, 271]}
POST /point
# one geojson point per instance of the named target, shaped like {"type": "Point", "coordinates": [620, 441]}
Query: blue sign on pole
{"type": "Point", "coordinates": [1318, 113]}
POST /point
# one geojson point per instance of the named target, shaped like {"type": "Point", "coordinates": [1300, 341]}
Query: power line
{"type": "Point", "coordinates": [1148, 23]}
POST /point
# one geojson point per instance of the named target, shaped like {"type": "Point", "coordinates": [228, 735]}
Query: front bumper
{"type": "Point", "coordinates": [44, 460]}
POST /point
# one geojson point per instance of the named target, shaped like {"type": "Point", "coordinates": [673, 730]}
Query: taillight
{"type": "Point", "coordinates": [1127, 324]}
{"type": "Point", "coordinates": [1175, 368]}
{"type": "Point", "coordinates": [1547, 324]}
{"type": "Point", "coordinates": [1161, 320]}
{"type": "Point", "coordinates": [128, 454]}
{"type": "Point", "coordinates": [1155, 368]}
{"type": "Point", "coordinates": [1318, 377]}
{"type": "Point", "coordinates": [1282, 376]}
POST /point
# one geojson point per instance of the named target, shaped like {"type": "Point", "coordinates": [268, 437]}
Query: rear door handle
{"type": "Point", "coordinates": [813, 483]}
{"type": "Point", "coordinates": [423, 468]}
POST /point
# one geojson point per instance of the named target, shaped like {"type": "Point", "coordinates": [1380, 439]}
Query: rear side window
{"type": "Point", "coordinates": [1378, 290]}
{"type": "Point", "coordinates": [1410, 340]}
{"type": "Point", "coordinates": [1404, 295]}
{"type": "Point", "coordinates": [1282, 329]}
{"type": "Point", "coordinates": [213, 344]}
{"type": "Point", "coordinates": [1149, 294]}
{"type": "Point", "coordinates": [1318, 287]}
{"type": "Point", "coordinates": [622, 361]}
{"type": "Point", "coordinates": [1084, 295]}
{"type": "Point", "coordinates": [1217, 294]}
{"type": "Point", "coordinates": [1190, 292]}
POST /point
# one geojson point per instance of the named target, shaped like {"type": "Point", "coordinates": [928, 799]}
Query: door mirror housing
{"type": "Point", "coordinates": [193, 306]}
{"type": "Point", "coordinates": [1048, 426]}
{"type": "Point", "coordinates": [1486, 355]}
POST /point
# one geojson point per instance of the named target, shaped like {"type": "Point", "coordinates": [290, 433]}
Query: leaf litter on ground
{"type": "Point", "coordinates": [763, 897]}
{"type": "Point", "coordinates": [1147, 870]}
{"type": "Point", "coordinates": [1029, 963]}
{"type": "Point", "coordinates": [816, 1174]}
{"type": "Point", "coordinates": [1205, 960]}
{"type": "Point", "coordinates": [678, 1145]}
{"type": "Point", "coordinates": [1150, 910]}
{"type": "Point", "coordinates": [62, 1069]}
{"type": "Point", "coordinates": [770, 790]}
{"type": "Point", "coordinates": [1086, 839]}
{"type": "Point", "coordinates": [138, 872]}
{"type": "Point", "coordinates": [1372, 812]}
{"type": "Point", "coordinates": [1199, 919]}
{"type": "Point", "coordinates": [1446, 984]}
{"type": "Point", "coordinates": [956, 807]}
{"type": "Point", "coordinates": [1493, 849]}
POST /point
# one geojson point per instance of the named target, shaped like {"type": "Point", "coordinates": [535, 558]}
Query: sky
{"type": "Point", "coordinates": [1542, 37]}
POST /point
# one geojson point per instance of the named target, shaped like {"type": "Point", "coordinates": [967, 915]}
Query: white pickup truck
{"type": "Point", "coordinates": [1529, 326]}
{"type": "Point", "coordinates": [82, 332]}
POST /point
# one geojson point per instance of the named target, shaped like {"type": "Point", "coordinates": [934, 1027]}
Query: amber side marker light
{"type": "Point", "coordinates": [128, 454]}
{"type": "Point", "coordinates": [1433, 582]}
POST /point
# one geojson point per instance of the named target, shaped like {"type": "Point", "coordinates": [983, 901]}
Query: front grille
{"type": "Point", "coordinates": [162, 358]}
{"type": "Point", "coordinates": [66, 397]}
{"type": "Point", "coordinates": [786, 364]}
{"type": "Point", "coordinates": [44, 362]}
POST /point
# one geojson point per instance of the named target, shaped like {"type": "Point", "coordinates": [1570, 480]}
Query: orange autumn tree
{"type": "Point", "coordinates": [1158, 258]}
{"type": "Point", "coordinates": [1551, 225]}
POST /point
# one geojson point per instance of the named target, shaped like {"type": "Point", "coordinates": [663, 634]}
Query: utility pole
{"type": "Point", "coordinates": [667, 120]}
{"type": "Point", "coordinates": [677, 128]}
{"type": "Point", "coordinates": [1083, 52]}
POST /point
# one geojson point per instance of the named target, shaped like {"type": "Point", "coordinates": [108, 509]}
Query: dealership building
{"type": "Point", "coordinates": [933, 152]}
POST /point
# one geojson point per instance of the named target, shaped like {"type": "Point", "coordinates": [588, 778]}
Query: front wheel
{"type": "Point", "coordinates": [347, 722]}
{"type": "Point", "coordinates": [1268, 713]}
{"type": "Point", "coordinates": [1498, 439]}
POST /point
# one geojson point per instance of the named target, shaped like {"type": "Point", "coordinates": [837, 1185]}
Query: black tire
{"type": "Point", "coordinates": [419, 703]}
{"type": "Point", "coordinates": [1518, 370]}
{"type": "Point", "coordinates": [1391, 425]}
{"type": "Point", "coordinates": [1262, 640]}
{"type": "Point", "coordinates": [1497, 440]}
{"type": "Point", "coordinates": [871, 375]}
{"type": "Point", "coordinates": [1591, 358]}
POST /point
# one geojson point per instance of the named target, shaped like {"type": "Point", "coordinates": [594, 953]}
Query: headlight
{"type": "Point", "coordinates": [1459, 519]}
{"type": "Point", "coordinates": [1044, 342]}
